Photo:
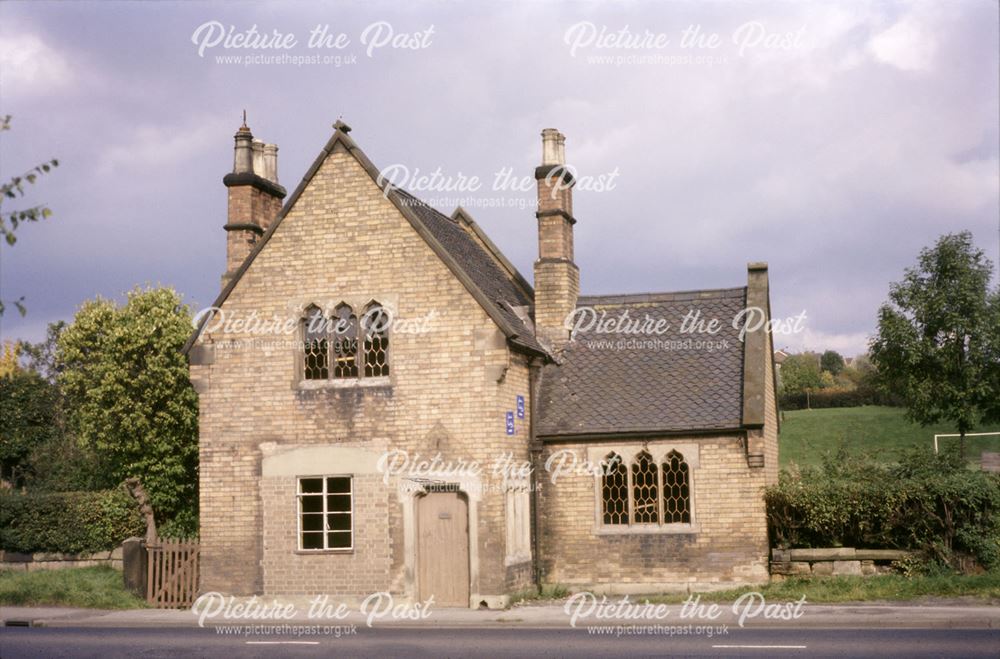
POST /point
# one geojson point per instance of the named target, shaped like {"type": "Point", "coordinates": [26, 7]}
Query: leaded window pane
{"type": "Point", "coordinates": [345, 343]}
{"type": "Point", "coordinates": [316, 347]}
{"type": "Point", "coordinates": [645, 485]}
{"type": "Point", "coordinates": [376, 348]}
{"type": "Point", "coordinates": [614, 490]}
{"type": "Point", "coordinates": [676, 490]}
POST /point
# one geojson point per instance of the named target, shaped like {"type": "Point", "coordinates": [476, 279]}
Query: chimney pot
{"type": "Point", "coordinates": [271, 162]}
{"type": "Point", "coordinates": [254, 197]}
{"type": "Point", "coordinates": [553, 147]}
{"type": "Point", "coordinates": [258, 157]}
{"type": "Point", "coordinates": [243, 151]}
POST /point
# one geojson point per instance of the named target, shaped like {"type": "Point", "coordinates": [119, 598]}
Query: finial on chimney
{"type": "Point", "coordinates": [244, 128]}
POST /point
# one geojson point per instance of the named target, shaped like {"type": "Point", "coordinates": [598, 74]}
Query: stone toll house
{"type": "Point", "coordinates": [296, 498]}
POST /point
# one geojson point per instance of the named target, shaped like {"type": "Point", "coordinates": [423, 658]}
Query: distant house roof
{"type": "Point", "coordinates": [597, 388]}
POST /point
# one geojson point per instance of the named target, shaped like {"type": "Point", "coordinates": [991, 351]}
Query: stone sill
{"type": "Point", "coordinates": [321, 552]}
{"type": "Point", "coordinates": [353, 383]}
{"type": "Point", "coordinates": [670, 529]}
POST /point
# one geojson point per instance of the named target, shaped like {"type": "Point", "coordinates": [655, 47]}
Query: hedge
{"type": "Point", "coordinates": [68, 522]}
{"type": "Point", "coordinates": [931, 504]}
{"type": "Point", "coordinates": [824, 398]}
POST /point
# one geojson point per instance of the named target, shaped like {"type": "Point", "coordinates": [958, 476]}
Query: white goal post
{"type": "Point", "coordinates": [968, 434]}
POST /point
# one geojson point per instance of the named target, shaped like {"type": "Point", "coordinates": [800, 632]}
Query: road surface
{"type": "Point", "coordinates": [17, 642]}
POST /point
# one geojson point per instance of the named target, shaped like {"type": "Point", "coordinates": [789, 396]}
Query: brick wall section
{"type": "Point", "coordinates": [344, 240]}
{"type": "Point", "coordinates": [357, 573]}
{"type": "Point", "coordinates": [557, 287]}
{"type": "Point", "coordinates": [247, 205]}
{"type": "Point", "coordinates": [555, 237]}
{"type": "Point", "coordinates": [552, 194]}
{"type": "Point", "coordinates": [557, 278]}
{"type": "Point", "coordinates": [730, 546]}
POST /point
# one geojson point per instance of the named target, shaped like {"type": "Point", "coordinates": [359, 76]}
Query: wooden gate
{"type": "Point", "coordinates": [172, 573]}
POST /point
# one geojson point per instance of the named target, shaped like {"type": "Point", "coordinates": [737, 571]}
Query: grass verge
{"type": "Point", "coordinates": [85, 587]}
{"type": "Point", "coordinates": [831, 590]}
{"type": "Point", "coordinates": [806, 435]}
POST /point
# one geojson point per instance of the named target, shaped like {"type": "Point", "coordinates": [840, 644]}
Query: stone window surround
{"type": "Point", "coordinates": [629, 452]}
{"type": "Point", "coordinates": [518, 526]}
{"type": "Point", "coordinates": [301, 306]}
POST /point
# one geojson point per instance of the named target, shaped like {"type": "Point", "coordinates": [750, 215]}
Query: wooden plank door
{"type": "Point", "coordinates": [443, 548]}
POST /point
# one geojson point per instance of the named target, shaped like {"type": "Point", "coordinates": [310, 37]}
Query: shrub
{"type": "Point", "coordinates": [837, 397]}
{"type": "Point", "coordinates": [928, 503]}
{"type": "Point", "coordinates": [68, 522]}
{"type": "Point", "coordinates": [62, 464]}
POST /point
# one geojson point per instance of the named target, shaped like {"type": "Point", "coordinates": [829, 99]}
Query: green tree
{"type": "Point", "coordinates": [800, 373]}
{"type": "Point", "coordinates": [10, 220]}
{"type": "Point", "coordinates": [41, 357]}
{"type": "Point", "coordinates": [128, 395]}
{"type": "Point", "coordinates": [831, 362]}
{"type": "Point", "coordinates": [936, 344]}
{"type": "Point", "coordinates": [28, 419]}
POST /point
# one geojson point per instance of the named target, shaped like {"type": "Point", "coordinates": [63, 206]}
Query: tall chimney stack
{"type": "Point", "coordinates": [557, 279]}
{"type": "Point", "coordinates": [254, 197]}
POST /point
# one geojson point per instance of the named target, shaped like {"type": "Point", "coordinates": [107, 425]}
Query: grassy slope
{"type": "Point", "coordinates": [807, 434]}
{"type": "Point", "coordinates": [87, 587]}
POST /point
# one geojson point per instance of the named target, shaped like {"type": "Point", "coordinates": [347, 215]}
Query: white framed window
{"type": "Point", "coordinates": [326, 513]}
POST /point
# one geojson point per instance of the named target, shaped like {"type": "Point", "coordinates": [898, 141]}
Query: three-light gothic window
{"type": "Point", "coordinates": [344, 346]}
{"type": "Point", "coordinates": [644, 492]}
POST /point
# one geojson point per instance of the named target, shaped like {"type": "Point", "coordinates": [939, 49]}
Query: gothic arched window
{"type": "Point", "coordinates": [345, 342]}
{"type": "Point", "coordinates": [375, 325]}
{"type": "Point", "coordinates": [316, 365]}
{"type": "Point", "coordinates": [614, 490]}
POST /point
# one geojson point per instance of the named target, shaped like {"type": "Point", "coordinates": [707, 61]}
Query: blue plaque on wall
{"type": "Point", "coordinates": [510, 423]}
{"type": "Point", "coordinates": [520, 407]}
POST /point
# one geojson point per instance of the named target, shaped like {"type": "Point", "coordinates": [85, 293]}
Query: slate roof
{"type": "Point", "coordinates": [597, 388]}
{"type": "Point", "coordinates": [592, 388]}
{"type": "Point", "coordinates": [484, 271]}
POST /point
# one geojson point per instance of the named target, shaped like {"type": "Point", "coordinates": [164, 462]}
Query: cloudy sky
{"type": "Point", "coordinates": [833, 140]}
